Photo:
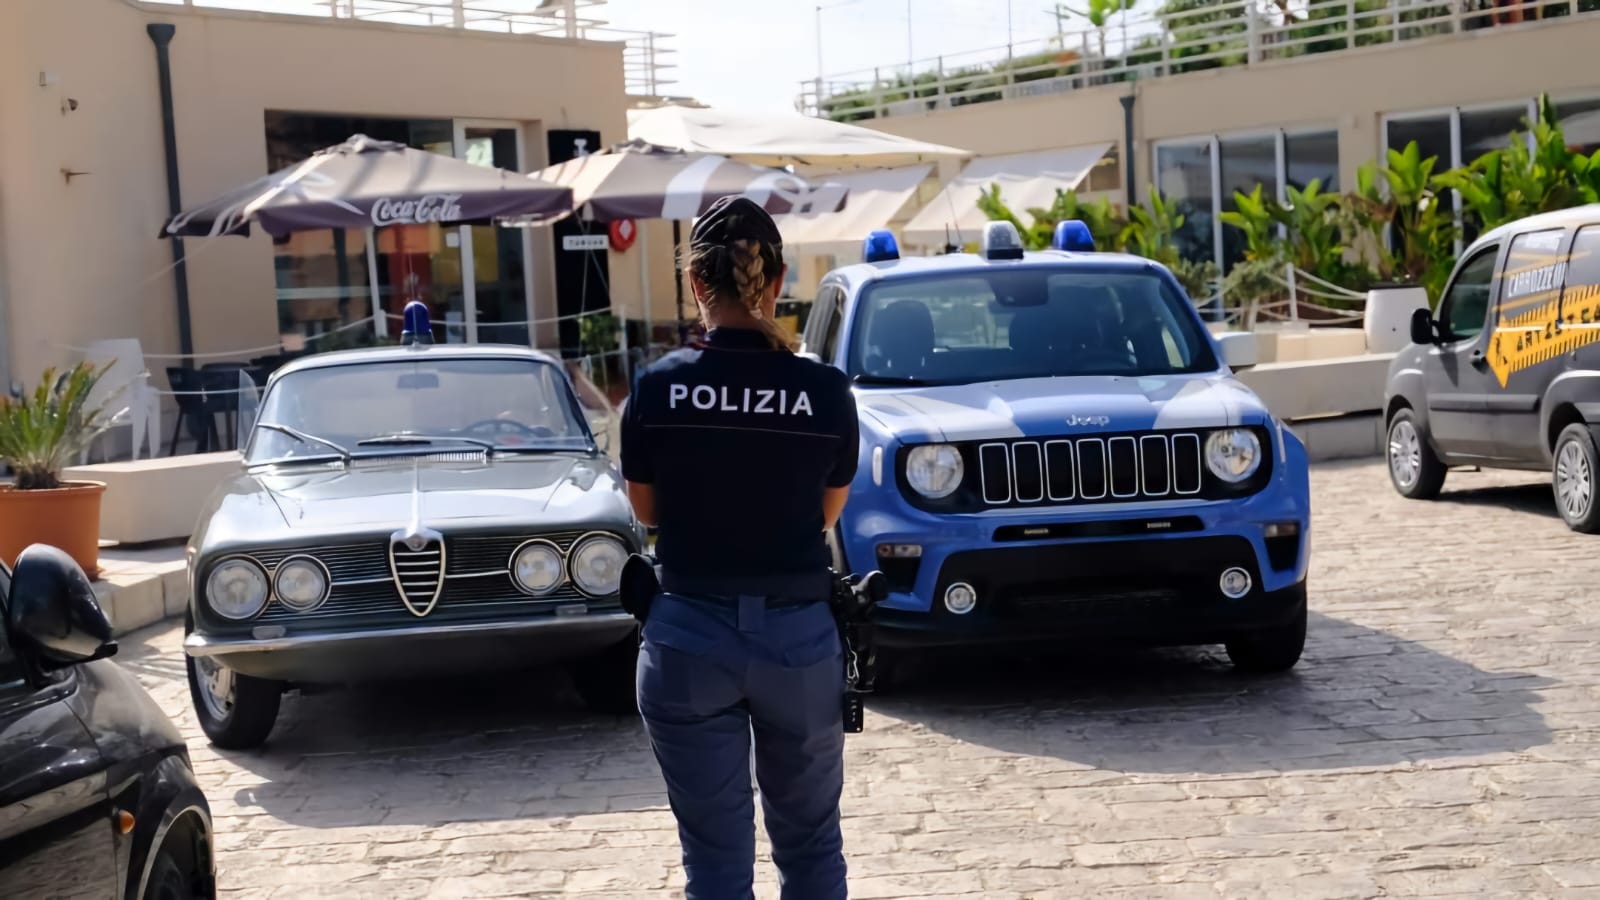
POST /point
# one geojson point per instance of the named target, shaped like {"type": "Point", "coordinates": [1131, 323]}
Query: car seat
{"type": "Point", "coordinates": [901, 338]}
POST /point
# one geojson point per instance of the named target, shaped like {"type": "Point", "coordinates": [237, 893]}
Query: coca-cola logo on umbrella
{"type": "Point", "coordinates": [622, 233]}
{"type": "Point", "coordinates": [421, 211]}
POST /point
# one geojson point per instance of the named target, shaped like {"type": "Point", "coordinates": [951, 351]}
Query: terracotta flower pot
{"type": "Point", "coordinates": [67, 517]}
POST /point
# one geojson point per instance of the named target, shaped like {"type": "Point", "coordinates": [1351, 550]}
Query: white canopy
{"type": "Point", "coordinates": [1026, 180]}
{"type": "Point", "coordinates": [769, 139]}
{"type": "Point", "coordinates": [875, 198]}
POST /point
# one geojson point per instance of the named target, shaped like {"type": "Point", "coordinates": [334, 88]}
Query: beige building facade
{"type": "Point", "coordinates": [1198, 136]}
{"type": "Point", "coordinates": [84, 187]}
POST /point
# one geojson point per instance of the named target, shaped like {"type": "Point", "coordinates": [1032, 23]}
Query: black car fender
{"type": "Point", "coordinates": [1571, 397]}
{"type": "Point", "coordinates": [170, 797]}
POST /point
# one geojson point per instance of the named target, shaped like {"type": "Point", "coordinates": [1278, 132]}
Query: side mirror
{"type": "Point", "coordinates": [1238, 349]}
{"type": "Point", "coordinates": [1422, 327]}
{"type": "Point", "coordinates": [54, 619]}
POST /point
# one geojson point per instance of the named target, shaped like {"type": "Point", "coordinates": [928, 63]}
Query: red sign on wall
{"type": "Point", "coordinates": [623, 232]}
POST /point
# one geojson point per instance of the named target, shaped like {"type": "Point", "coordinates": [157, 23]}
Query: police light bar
{"type": "Point", "coordinates": [1073, 235]}
{"type": "Point", "coordinates": [417, 329]}
{"type": "Point", "coordinates": [1001, 241]}
{"type": "Point", "coordinates": [879, 246]}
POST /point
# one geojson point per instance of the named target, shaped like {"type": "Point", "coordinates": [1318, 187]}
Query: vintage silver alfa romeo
{"type": "Point", "coordinates": [404, 512]}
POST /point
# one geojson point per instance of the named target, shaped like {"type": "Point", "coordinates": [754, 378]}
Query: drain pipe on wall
{"type": "Point", "coordinates": [1129, 162]}
{"type": "Point", "coordinates": [161, 35]}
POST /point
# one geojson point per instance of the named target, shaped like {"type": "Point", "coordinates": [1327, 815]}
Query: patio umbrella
{"type": "Point", "coordinates": [638, 180]}
{"type": "Point", "coordinates": [367, 183]}
{"type": "Point", "coordinates": [781, 139]}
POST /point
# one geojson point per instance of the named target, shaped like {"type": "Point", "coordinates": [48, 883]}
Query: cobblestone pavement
{"type": "Point", "coordinates": [1438, 740]}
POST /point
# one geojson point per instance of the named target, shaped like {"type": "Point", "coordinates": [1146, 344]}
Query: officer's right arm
{"type": "Point", "coordinates": [637, 468]}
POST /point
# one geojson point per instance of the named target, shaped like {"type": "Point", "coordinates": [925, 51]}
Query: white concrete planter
{"type": "Point", "coordinates": [1388, 317]}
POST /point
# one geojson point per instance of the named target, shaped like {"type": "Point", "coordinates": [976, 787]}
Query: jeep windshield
{"type": "Point", "coordinates": [426, 405]}
{"type": "Point", "coordinates": [1024, 322]}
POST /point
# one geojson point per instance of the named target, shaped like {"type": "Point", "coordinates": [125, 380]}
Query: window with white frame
{"type": "Point", "coordinates": [1458, 136]}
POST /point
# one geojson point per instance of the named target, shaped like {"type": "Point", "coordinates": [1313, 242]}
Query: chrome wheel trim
{"type": "Point", "coordinates": [1574, 481]}
{"type": "Point", "coordinates": [216, 689]}
{"type": "Point", "coordinates": [1405, 453]}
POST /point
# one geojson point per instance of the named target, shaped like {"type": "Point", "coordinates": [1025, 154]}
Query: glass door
{"type": "Point", "coordinates": [497, 273]}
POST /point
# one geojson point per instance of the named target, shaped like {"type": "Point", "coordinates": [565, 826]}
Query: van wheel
{"type": "Point", "coordinates": [1414, 469]}
{"type": "Point", "coordinates": [236, 711]}
{"type": "Point", "coordinates": [1573, 478]}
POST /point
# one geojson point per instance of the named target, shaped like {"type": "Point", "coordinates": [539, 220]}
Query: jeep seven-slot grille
{"type": "Point", "coordinates": [1090, 469]}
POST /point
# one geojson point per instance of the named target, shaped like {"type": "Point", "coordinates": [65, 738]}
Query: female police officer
{"type": "Point", "coordinates": [742, 453]}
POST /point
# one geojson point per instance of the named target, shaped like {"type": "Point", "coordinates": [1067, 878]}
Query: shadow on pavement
{"type": "Point", "coordinates": [1359, 697]}
{"type": "Point", "coordinates": [1535, 497]}
{"type": "Point", "coordinates": [511, 745]}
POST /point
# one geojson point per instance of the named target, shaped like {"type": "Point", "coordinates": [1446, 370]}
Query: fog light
{"type": "Point", "coordinates": [960, 598]}
{"type": "Point", "coordinates": [899, 551]}
{"type": "Point", "coordinates": [1235, 583]}
{"type": "Point", "coordinates": [1280, 529]}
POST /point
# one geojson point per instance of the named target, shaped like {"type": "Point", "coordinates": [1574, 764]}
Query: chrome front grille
{"type": "Point", "coordinates": [1090, 469]}
{"type": "Point", "coordinates": [418, 573]}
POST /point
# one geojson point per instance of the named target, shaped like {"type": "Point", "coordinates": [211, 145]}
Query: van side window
{"type": "Point", "coordinates": [1580, 296]}
{"type": "Point", "coordinates": [1466, 303]}
{"type": "Point", "coordinates": [1532, 275]}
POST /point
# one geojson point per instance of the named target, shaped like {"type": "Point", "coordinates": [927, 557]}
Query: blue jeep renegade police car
{"type": "Point", "coordinates": [1053, 445]}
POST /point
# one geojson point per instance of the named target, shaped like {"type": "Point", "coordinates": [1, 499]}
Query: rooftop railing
{"type": "Point", "coordinates": [647, 55]}
{"type": "Point", "coordinates": [1192, 35]}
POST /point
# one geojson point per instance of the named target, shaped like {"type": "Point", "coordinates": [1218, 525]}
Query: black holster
{"type": "Point", "coordinates": [852, 602]}
{"type": "Point", "coordinates": [640, 585]}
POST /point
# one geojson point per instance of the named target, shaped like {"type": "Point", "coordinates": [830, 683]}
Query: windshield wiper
{"type": "Point", "coordinates": [906, 380]}
{"type": "Point", "coordinates": [406, 439]}
{"type": "Point", "coordinates": [302, 437]}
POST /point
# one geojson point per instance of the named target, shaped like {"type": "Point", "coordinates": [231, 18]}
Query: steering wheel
{"type": "Point", "coordinates": [491, 427]}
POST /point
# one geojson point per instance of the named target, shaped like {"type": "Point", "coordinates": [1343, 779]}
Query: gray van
{"type": "Point", "coordinates": [1507, 375]}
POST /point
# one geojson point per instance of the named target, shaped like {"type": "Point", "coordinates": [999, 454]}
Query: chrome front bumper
{"type": "Point", "coordinates": [361, 654]}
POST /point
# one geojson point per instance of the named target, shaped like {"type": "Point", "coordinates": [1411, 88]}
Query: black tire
{"type": "Point", "coordinates": [169, 881]}
{"type": "Point", "coordinates": [607, 682]}
{"type": "Point", "coordinates": [1415, 470]}
{"type": "Point", "coordinates": [1573, 467]}
{"type": "Point", "coordinates": [250, 719]}
{"type": "Point", "coordinates": [1270, 650]}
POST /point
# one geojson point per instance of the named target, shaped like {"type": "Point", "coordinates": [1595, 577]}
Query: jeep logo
{"type": "Point", "coordinates": [1089, 420]}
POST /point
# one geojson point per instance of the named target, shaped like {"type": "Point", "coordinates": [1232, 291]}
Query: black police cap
{"type": "Point", "coordinates": [736, 219]}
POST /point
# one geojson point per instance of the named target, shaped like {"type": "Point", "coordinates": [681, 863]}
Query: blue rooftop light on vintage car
{"type": "Point", "coordinates": [1073, 235]}
{"type": "Point", "coordinates": [417, 329]}
{"type": "Point", "coordinates": [879, 246]}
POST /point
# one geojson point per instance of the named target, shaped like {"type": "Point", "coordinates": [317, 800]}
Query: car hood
{"type": "Point", "coordinates": [1062, 405]}
{"type": "Point", "coordinates": [388, 494]}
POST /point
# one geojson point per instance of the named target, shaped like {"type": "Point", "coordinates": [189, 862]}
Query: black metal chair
{"type": "Point", "coordinates": [194, 410]}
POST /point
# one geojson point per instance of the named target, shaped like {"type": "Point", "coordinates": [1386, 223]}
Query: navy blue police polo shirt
{"type": "Point", "coordinates": [739, 440]}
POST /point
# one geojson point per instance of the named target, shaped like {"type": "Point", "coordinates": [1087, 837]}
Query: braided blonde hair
{"type": "Point", "coordinates": [741, 272]}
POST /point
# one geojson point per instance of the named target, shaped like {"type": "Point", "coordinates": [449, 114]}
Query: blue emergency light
{"type": "Point", "coordinates": [880, 246]}
{"type": "Point", "coordinates": [1073, 235]}
{"type": "Point", "coordinates": [417, 329]}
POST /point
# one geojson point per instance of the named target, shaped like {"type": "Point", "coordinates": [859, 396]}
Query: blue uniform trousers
{"type": "Point", "coordinates": [713, 671]}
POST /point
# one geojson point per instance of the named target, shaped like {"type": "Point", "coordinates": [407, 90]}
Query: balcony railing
{"type": "Point", "coordinates": [1145, 46]}
{"type": "Point", "coordinates": [647, 55]}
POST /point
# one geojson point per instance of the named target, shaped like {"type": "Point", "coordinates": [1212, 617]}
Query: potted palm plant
{"type": "Point", "coordinates": [40, 433]}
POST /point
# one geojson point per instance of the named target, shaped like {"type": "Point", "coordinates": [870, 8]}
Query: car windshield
{"type": "Point", "coordinates": [1024, 322]}
{"type": "Point", "coordinates": [401, 405]}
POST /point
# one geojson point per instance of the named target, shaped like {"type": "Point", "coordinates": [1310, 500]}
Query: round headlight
{"type": "Point", "coordinates": [536, 567]}
{"type": "Point", "coordinates": [1233, 455]}
{"type": "Point", "coordinates": [934, 470]}
{"type": "Point", "coordinates": [597, 565]}
{"type": "Point", "coordinates": [237, 589]}
{"type": "Point", "coordinates": [301, 583]}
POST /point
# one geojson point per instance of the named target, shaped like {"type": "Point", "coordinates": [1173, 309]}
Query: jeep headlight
{"type": "Point", "coordinates": [237, 588]}
{"type": "Point", "coordinates": [1233, 454]}
{"type": "Point", "coordinates": [934, 470]}
{"type": "Point", "coordinates": [597, 565]}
